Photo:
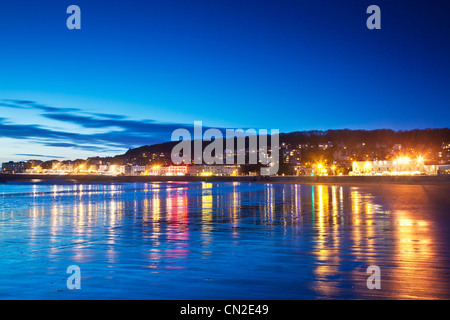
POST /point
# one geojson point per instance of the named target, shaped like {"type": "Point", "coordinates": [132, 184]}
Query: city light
{"type": "Point", "coordinates": [206, 174]}
{"type": "Point", "coordinates": [403, 160]}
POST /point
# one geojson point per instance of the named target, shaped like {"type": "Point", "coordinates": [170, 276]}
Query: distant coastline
{"type": "Point", "coordinates": [80, 178]}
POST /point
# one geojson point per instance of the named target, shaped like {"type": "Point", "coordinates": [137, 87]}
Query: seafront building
{"type": "Point", "coordinates": [213, 170]}
{"type": "Point", "coordinates": [443, 169]}
{"type": "Point", "coordinates": [195, 170]}
{"type": "Point", "coordinates": [400, 166]}
{"type": "Point", "coordinates": [172, 170]}
{"type": "Point", "coordinates": [14, 167]}
{"type": "Point", "coordinates": [132, 170]}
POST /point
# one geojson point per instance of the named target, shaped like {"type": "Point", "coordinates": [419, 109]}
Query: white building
{"type": "Point", "coordinates": [194, 170]}
{"type": "Point", "coordinates": [180, 170]}
{"type": "Point", "coordinates": [401, 166]}
{"type": "Point", "coordinates": [443, 169]}
{"type": "Point", "coordinates": [213, 170]}
{"type": "Point", "coordinates": [137, 170]}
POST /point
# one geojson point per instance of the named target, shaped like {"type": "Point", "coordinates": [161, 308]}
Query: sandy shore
{"type": "Point", "coordinates": [275, 179]}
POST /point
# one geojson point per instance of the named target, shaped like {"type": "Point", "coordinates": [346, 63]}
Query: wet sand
{"type": "Point", "coordinates": [88, 178]}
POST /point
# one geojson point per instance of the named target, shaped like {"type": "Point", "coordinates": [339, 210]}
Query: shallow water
{"type": "Point", "coordinates": [198, 240]}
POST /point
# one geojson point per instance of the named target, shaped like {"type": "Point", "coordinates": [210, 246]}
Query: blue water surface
{"type": "Point", "coordinates": [199, 240]}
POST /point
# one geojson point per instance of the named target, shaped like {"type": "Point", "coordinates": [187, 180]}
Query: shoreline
{"type": "Point", "coordinates": [80, 178]}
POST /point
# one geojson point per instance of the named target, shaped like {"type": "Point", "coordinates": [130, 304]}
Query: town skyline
{"type": "Point", "coordinates": [305, 150]}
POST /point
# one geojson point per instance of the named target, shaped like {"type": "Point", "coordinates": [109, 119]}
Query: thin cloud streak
{"type": "Point", "coordinates": [38, 155]}
{"type": "Point", "coordinates": [123, 134]}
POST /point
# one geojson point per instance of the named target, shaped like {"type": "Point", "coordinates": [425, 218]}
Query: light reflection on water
{"type": "Point", "coordinates": [223, 240]}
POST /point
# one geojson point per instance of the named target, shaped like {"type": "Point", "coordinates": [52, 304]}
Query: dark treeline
{"type": "Point", "coordinates": [428, 137]}
{"type": "Point", "coordinates": [431, 138]}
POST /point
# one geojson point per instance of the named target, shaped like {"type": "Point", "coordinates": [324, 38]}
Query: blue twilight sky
{"type": "Point", "coordinates": [139, 69]}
